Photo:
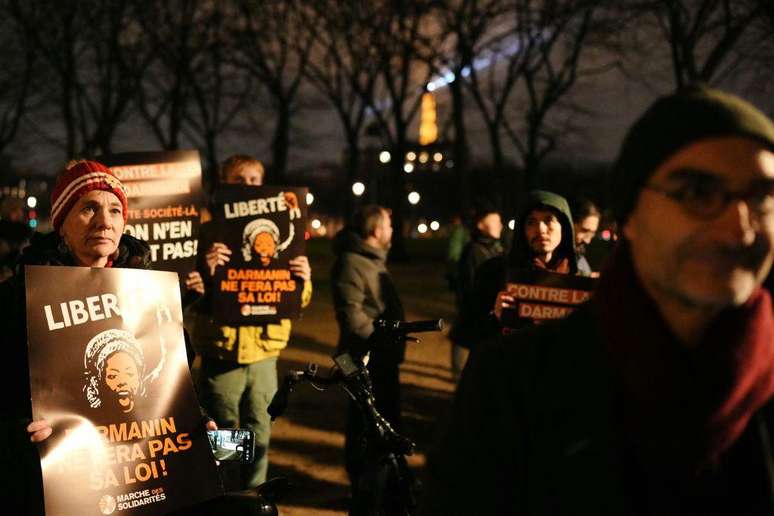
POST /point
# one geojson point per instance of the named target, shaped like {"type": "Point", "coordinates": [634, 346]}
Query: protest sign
{"type": "Point", "coordinates": [264, 227]}
{"type": "Point", "coordinates": [109, 372]}
{"type": "Point", "coordinates": [164, 191]}
{"type": "Point", "coordinates": [542, 295]}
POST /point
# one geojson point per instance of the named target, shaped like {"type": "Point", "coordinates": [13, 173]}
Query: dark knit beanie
{"type": "Point", "coordinates": [673, 122]}
{"type": "Point", "coordinates": [483, 206]}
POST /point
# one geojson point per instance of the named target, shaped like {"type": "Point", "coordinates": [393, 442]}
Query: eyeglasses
{"type": "Point", "coordinates": [705, 196]}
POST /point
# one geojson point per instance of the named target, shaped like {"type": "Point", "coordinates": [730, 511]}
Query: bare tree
{"type": "Point", "coordinates": [96, 59]}
{"type": "Point", "coordinates": [18, 58]}
{"type": "Point", "coordinates": [219, 90]}
{"type": "Point", "coordinates": [341, 68]}
{"type": "Point", "coordinates": [402, 49]}
{"type": "Point", "coordinates": [502, 57]}
{"type": "Point", "coordinates": [466, 24]}
{"type": "Point", "coordinates": [273, 44]}
{"type": "Point", "coordinates": [702, 35]}
{"type": "Point", "coordinates": [164, 94]}
{"type": "Point", "coordinates": [555, 36]}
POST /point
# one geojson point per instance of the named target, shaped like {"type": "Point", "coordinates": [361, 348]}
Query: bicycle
{"type": "Point", "coordinates": [386, 485]}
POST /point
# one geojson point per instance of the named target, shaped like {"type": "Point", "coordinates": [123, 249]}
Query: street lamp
{"type": "Point", "coordinates": [316, 224]}
{"type": "Point", "coordinates": [434, 225]}
{"type": "Point", "coordinates": [414, 198]}
{"type": "Point", "coordinates": [309, 198]}
{"type": "Point", "coordinates": [408, 168]}
{"type": "Point", "coordinates": [358, 189]}
{"type": "Point", "coordinates": [32, 201]}
{"type": "Point", "coordinates": [422, 228]}
{"type": "Point", "coordinates": [384, 156]}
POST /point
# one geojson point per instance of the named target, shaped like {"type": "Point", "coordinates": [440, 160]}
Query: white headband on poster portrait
{"type": "Point", "coordinates": [264, 226]}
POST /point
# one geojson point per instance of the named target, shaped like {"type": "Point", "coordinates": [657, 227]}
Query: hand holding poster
{"type": "Point", "coordinates": [164, 190]}
{"type": "Point", "coordinates": [542, 296]}
{"type": "Point", "coordinates": [264, 229]}
{"type": "Point", "coordinates": [109, 372]}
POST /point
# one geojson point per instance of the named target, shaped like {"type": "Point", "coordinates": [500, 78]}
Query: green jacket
{"type": "Point", "coordinates": [532, 431]}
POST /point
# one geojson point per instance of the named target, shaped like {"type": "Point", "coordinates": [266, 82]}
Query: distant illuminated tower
{"type": "Point", "coordinates": [428, 128]}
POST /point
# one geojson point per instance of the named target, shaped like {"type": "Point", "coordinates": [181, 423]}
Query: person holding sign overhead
{"type": "Point", "coordinates": [239, 362]}
{"type": "Point", "coordinates": [657, 396]}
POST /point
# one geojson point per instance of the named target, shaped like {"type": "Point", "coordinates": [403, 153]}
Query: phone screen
{"type": "Point", "coordinates": [232, 444]}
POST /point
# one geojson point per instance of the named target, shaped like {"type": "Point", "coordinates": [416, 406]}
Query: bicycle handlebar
{"type": "Point", "coordinates": [404, 327]}
{"type": "Point", "coordinates": [352, 375]}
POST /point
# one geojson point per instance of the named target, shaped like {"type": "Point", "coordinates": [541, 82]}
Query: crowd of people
{"type": "Point", "coordinates": [655, 397]}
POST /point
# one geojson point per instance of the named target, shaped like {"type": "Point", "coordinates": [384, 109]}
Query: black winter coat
{"type": "Point", "coordinates": [533, 431]}
{"type": "Point", "coordinates": [476, 252]}
{"type": "Point", "coordinates": [20, 480]}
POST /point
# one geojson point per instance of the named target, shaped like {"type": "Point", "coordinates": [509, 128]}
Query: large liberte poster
{"type": "Point", "coordinates": [109, 372]}
{"type": "Point", "coordinates": [264, 227]}
{"type": "Point", "coordinates": [541, 296]}
{"type": "Point", "coordinates": [164, 191]}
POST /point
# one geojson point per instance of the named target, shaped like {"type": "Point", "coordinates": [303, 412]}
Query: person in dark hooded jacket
{"type": "Point", "coordinates": [544, 240]}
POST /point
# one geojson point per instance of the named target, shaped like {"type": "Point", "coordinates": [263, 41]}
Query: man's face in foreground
{"type": "Point", "coordinates": [682, 249]}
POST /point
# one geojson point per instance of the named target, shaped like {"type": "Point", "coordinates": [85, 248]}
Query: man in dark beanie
{"type": "Point", "coordinates": [487, 227]}
{"type": "Point", "coordinates": [656, 396]}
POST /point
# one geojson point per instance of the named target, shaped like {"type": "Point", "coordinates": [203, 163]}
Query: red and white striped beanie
{"type": "Point", "coordinates": [78, 180]}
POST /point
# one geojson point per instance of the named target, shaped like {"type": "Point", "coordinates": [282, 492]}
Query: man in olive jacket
{"type": "Point", "coordinates": [655, 398]}
{"type": "Point", "coordinates": [363, 291]}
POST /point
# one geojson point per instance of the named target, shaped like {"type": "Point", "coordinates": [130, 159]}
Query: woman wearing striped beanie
{"type": "Point", "coordinates": [89, 210]}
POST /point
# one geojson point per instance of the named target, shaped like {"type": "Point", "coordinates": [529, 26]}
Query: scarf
{"type": "Point", "coordinates": [683, 408]}
{"type": "Point", "coordinates": [559, 265]}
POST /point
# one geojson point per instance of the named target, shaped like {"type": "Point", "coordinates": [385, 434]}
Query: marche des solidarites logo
{"type": "Point", "coordinates": [107, 504]}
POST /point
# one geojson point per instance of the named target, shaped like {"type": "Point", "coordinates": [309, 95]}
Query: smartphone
{"type": "Point", "coordinates": [233, 444]}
